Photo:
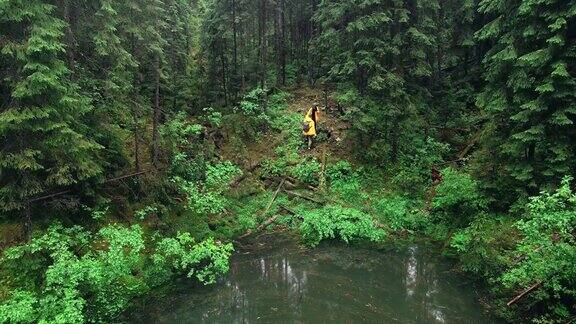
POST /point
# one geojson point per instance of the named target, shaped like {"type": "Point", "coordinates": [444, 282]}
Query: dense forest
{"type": "Point", "coordinates": [141, 140]}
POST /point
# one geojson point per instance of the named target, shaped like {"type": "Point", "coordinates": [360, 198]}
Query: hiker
{"type": "Point", "coordinates": [310, 124]}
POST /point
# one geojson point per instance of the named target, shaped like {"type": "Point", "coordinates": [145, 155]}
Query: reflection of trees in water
{"type": "Point", "coordinates": [422, 286]}
{"type": "Point", "coordinates": [329, 284]}
{"type": "Point", "coordinates": [275, 279]}
{"type": "Point", "coordinates": [411, 271]}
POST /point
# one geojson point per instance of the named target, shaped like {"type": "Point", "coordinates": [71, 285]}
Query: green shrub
{"type": "Point", "coordinates": [547, 251]}
{"type": "Point", "coordinates": [458, 198]}
{"type": "Point", "coordinates": [206, 260]}
{"type": "Point", "coordinates": [482, 246]}
{"type": "Point", "coordinates": [207, 196]}
{"type": "Point", "coordinates": [413, 172]}
{"type": "Point", "coordinates": [307, 171]}
{"type": "Point", "coordinates": [69, 275]}
{"type": "Point", "coordinates": [395, 212]}
{"type": "Point", "coordinates": [349, 190]}
{"type": "Point", "coordinates": [331, 222]}
{"type": "Point", "coordinates": [340, 170]}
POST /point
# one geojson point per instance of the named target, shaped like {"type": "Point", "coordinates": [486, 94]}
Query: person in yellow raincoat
{"type": "Point", "coordinates": [310, 124]}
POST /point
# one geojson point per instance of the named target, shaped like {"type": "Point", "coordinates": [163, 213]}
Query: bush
{"type": "Point", "coordinates": [69, 275]}
{"type": "Point", "coordinates": [457, 198]}
{"type": "Point", "coordinates": [347, 185]}
{"type": "Point", "coordinates": [340, 170]}
{"type": "Point", "coordinates": [307, 171]}
{"type": "Point", "coordinates": [547, 251]}
{"type": "Point", "coordinates": [207, 196]}
{"type": "Point", "coordinates": [332, 222]}
{"type": "Point", "coordinates": [206, 260]}
{"type": "Point", "coordinates": [395, 212]}
{"type": "Point", "coordinates": [412, 175]}
{"type": "Point", "coordinates": [482, 247]}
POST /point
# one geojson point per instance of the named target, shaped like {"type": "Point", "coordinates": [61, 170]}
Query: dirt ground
{"type": "Point", "coordinates": [336, 141]}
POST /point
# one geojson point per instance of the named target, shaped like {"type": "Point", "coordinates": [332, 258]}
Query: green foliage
{"type": "Point", "coordinates": [331, 222]}
{"type": "Point", "coordinates": [43, 112]}
{"type": "Point", "coordinates": [413, 172]}
{"type": "Point", "coordinates": [482, 247]}
{"type": "Point", "coordinates": [346, 184]}
{"type": "Point", "coordinates": [69, 275]}
{"type": "Point", "coordinates": [206, 196]}
{"type": "Point", "coordinates": [206, 260]}
{"type": "Point", "coordinates": [143, 213]}
{"type": "Point", "coordinates": [458, 199]}
{"type": "Point", "coordinates": [252, 105]}
{"type": "Point", "coordinates": [178, 132]}
{"type": "Point", "coordinates": [528, 94]}
{"type": "Point", "coordinates": [547, 250]}
{"type": "Point", "coordinates": [306, 171]}
{"type": "Point", "coordinates": [397, 214]}
{"type": "Point", "coordinates": [212, 117]}
{"type": "Point", "coordinates": [339, 170]}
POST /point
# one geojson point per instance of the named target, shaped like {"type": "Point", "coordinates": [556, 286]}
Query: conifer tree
{"type": "Point", "coordinates": [530, 96]}
{"type": "Point", "coordinates": [42, 131]}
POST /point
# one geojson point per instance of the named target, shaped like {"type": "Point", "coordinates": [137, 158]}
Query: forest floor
{"type": "Point", "coordinates": [332, 127]}
{"type": "Point", "coordinates": [333, 139]}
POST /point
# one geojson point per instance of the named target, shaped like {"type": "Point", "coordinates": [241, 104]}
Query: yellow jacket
{"type": "Point", "coordinates": [308, 119]}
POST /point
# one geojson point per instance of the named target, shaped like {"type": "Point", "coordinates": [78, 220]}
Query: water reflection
{"type": "Point", "coordinates": [422, 285]}
{"type": "Point", "coordinates": [328, 284]}
{"type": "Point", "coordinates": [411, 271]}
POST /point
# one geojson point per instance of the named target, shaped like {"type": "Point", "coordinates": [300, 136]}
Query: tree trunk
{"type": "Point", "coordinates": [27, 221]}
{"type": "Point", "coordinates": [156, 114]}
{"type": "Point", "coordinates": [234, 37]}
{"type": "Point", "coordinates": [136, 132]}
{"type": "Point", "coordinates": [235, 71]}
{"type": "Point", "coordinates": [280, 24]}
{"type": "Point", "coordinates": [394, 140]}
{"type": "Point", "coordinates": [135, 114]}
{"type": "Point", "coordinates": [263, 42]}
{"type": "Point", "coordinates": [70, 44]}
{"type": "Point", "coordinates": [224, 84]}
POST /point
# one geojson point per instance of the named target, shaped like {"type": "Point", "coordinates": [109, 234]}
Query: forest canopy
{"type": "Point", "coordinates": [125, 125]}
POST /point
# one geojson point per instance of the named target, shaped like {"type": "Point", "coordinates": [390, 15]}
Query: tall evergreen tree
{"type": "Point", "coordinates": [530, 96]}
{"type": "Point", "coordinates": [42, 114]}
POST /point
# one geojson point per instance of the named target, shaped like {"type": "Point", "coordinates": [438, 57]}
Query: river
{"type": "Point", "coordinates": [276, 280]}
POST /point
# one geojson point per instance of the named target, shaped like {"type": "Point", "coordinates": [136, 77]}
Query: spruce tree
{"type": "Point", "coordinates": [42, 128]}
{"type": "Point", "coordinates": [530, 96]}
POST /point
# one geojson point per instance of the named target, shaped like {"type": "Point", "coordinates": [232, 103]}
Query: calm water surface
{"type": "Point", "coordinates": [278, 281]}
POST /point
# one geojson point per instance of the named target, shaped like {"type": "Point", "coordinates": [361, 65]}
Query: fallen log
{"type": "Point", "coordinates": [234, 183]}
{"type": "Point", "coordinates": [70, 190]}
{"type": "Point", "coordinates": [524, 293]}
{"type": "Point", "coordinates": [295, 194]}
{"type": "Point", "coordinates": [303, 184]}
{"type": "Point", "coordinates": [260, 227]}
{"type": "Point", "coordinates": [300, 185]}
{"type": "Point", "coordinates": [269, 220]}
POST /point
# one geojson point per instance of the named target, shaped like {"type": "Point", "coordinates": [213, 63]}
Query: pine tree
{"type": "Point", "coordinates": [42, 130]}
{"type": "Point", "coordinates": [383, 50]}
{"type": "Point", "coordinates": [530, 96]}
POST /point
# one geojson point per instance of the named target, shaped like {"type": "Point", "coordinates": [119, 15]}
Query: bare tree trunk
{"type": "Point", "coordinates": [156, 114]}
{"type": "Point", "coordinates": [136, 132]}
{"type": "Point", "coordinates": [27, 221]}
{"type": "Point", "coordinates": [135, 114]}
{"type": "Point", "coordinates": [68, 34]}
{"type": "Point", "coordinates": [263, 42]}
{"type": "Point", "coordinates": [280, 27]}
{"type": "Point", "coordinates": [224, 83]}
{"type": "Point", "coordinates": [234, 37]}
{"type": "Point", "coordinates": [394, 140]}
{"type": "Point", "coordinates": [234, 75]}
